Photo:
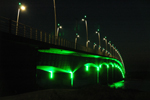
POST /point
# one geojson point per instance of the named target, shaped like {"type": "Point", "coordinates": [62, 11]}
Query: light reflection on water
{"type": "Point", "coordinates": [119, 84]}
{"type": "Point", "coordinates": [141, 85]}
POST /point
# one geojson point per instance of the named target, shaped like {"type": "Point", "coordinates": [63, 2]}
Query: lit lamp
{"type": "Point", "coordinates": [87, 43]}
{"type": "Point", "coordinates": [59, 27]}
{"type": "Point", "coordinates": [21, 7]}
{"type": "Point", "coordinates": [105, 39]}
{"type": "Point", "coordinates": [94, 45]}
{"type": "Point", "coordinates": [97, 32]}
{"type": "Point", "coordinates": [77, 36]}
{"type": "Point", "coordinates": [84, 19]}
{"type": "Point", "coordinates": [110, 45]}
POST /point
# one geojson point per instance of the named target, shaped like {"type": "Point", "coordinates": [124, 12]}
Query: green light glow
{"type": "Point", "coordinates": [67, 69]}
{"type": "Point", "coordinates": [97, 74]}
{"type": "Point", "coordinates": [118, 84]}
{"type": "Point", "coordinates": [51, 74]}
{"type": "Point", "coordinates": [90, 64]}
{"type": "Point", "coordinates": [107, 65]}
{"type": "Point", "coordinates": [67, 52]}
{"type": "Point", "coordinates": [97, 68]}
{"type": "Point", "coordinates": [84, 16]}
{"type": "Point", "coordinates": [87, 68]}
{"type": "Point", "coordinates": [53, 69]}
{"type": "Point", "coordinates": [19, 4]}
{"type": "Point", "coordinates": [71, 76]}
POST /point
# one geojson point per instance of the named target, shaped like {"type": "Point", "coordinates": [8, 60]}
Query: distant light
{"type": "Point", "coordinates": [23, 7]}
{"type": "Point", "coordinates": [82, 19]}
{"type": "Point", "coordinates": [58, 24]}
{"type": "Point", "coordinates": [60, 27]}
{"type": "Point", "coordinates": [19, 3]}
{"type": "Point", "coordinates": [84, 16]}
{"type": "Point", "coordinates": [78, 36]}
{"type": "Point", "coordinates": [97, 29]}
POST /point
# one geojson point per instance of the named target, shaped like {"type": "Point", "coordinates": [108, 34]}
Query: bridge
{"type": "Point", "coordinates": [36, 59]}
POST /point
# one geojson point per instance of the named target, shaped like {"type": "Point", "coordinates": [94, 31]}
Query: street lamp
{"type": "Point", "coordinates": [94, 45]}
{"type": "Point", "coordinates": [59, 27]}
{"type": "Point", "coordinates": [105, 39]}
{"type": "Point", "coordinates": [120, 58]}
{"type": "Point", "coordinates": [87, 43]}
{"type": "Point", "coordinates": [103, 50]}
{"type": "Point", "coordinates": [84, 19]}
{"type": "Point", "coordinates": [77, 36]}
{"type": "Point", "coordinates": [113, 49]}
{"type": "Point", "coordinates": [21, 7]}
{"type": "Point", "coordinates": [55, 19]}
{"type": "Point", "coordinates": [110, 45]}
{"type": "Point", "coordinates": [97, 32]}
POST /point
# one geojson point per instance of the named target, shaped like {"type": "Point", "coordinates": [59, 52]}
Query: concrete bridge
{"type": "Point", "coordinates": [33, 59]}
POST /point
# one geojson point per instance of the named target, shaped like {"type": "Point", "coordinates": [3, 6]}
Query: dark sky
{"type": "Point", "coordinates": [126, 24]}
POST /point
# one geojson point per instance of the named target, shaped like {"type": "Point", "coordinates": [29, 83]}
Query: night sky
{"type": "Point", "coordinates": [126, 24]}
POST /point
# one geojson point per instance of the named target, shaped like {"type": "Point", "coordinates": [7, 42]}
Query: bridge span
{"type": "Point", "coordinates": [33, 59]}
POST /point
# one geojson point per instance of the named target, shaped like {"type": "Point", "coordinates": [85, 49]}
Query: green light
{"type": "Point", "coordinates": [84, 16]}
{"type": "Point", "coordinates": [118, 84]}
{"type": "Point", "coordinates": [97, 68]}
{"type": "Point", "coordinates": [97, 29]}
{"type": "Point", "coordinates": [19, 4]}
{"type": "Point", "coordinates": [87, 68]}
{"type": "Point", "coordinates": [97, 74]}
{"type": "Point", "coordinates": [51, 74]}
{"type": "Point", "coordinates": [100, 66]}
{"type": "Point", "coordinates": [71, 76]}
{"type": "Point", "coordinates": [107, 66]}
{"type": "Point", "coordinates": [58, 24]}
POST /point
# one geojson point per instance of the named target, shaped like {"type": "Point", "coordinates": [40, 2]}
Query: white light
{"type": "Point", "coordinates": [60, 27]}
{"type": "Point", "coordinates": [82, 19]}
{"type": "Point", "coordinates": [23, 7]}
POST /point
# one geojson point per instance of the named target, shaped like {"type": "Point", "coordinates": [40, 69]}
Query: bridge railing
{"type": "Point", "coordinates": [12, 27]}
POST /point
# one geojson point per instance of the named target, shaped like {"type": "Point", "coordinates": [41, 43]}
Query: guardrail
{"type": "Point", "coordinates": [11, 27]}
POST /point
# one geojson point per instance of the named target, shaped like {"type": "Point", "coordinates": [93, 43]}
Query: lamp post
{"type": "Point", "coordinates": [55, 18]}
{"type": "Point", "coordinates": [84, 19]}
{"type": "Point", "coordinates": [113, 50]}
{"type": "Point", "coordinates": [59, 27]}
{"type": "Point", "coordinates": [103, 50]}
{"type": "Point", "coordinates": [87, 43]}
{"type": "Point", "coordinates": [21, 7]}
{"type": "Point", "coordinates": [105, 39]}
{"type": "Point", "coordinates": [110, 45]}
{"type": "Point", "coordinates": [97, 32]}
{"type": "Point", "coordinates": [120, 58]}
{"type": "Point", "coordinates": [77, 36]}
{"type": "Point", "coordinates": [94, 45]}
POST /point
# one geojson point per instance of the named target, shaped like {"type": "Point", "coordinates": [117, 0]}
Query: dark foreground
{"type": "Point", "coordinates": [96, 92]}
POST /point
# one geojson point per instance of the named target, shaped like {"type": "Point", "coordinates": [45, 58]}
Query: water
{"type": "Point", "coordinates": [141, 85]}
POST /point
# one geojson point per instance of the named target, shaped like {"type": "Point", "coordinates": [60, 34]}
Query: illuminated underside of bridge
{"type": "Point", "coordinates": [106, 62]}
